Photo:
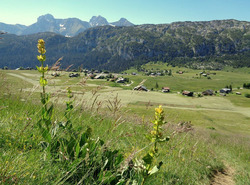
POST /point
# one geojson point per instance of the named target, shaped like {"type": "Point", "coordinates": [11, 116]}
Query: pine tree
{"type": "Point", "coordinates": [156, 85]}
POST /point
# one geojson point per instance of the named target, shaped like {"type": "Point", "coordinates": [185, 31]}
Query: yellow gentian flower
{"type": "Point", "coordinates": [41, 46]}
{"type": "Point", "coordinates": [159, 110]}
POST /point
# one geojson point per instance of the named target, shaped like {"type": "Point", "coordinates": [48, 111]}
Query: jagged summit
{"type": "Point", "coordinates": [98, 21]}
{"type": "Point", "coordinates": [66, 27]}
{"type": "Point", "coordinates": [46, 17]}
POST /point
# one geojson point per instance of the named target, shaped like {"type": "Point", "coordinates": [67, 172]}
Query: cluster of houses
{"type": "Point", "coordinates": [109, 77]}
{"type": "Point", "coordinates": [158, 73]}
{"type": "Point", "coordinates": [144, 88]}
{"type": "Point", "coordinates": [208, 92]}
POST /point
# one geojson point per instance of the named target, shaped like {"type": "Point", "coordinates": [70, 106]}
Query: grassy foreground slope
{"type": "Point", "coordinates": [220, 137]}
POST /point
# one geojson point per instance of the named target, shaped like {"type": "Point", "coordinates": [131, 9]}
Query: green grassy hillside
{"type": "Point", "coordinates": [217, 141]}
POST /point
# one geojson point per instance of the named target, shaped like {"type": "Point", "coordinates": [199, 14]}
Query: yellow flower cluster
{"type": "Point", "coordinates": [42, 69]}
{"type": "Point", "coordinates": [41, 46]}
{"type": "Point", "coordinates": [41, 49]}
{"type": "Point", "coordinates": [159, 115]}
{"type": "Point", "coordinates": [159, 110]}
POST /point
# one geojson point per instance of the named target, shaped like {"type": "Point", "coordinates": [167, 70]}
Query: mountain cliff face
{"type": "Point", "coordinates": [66, 27]}
{"type": "Point", "coordinates": [98, 21]}
{"type": "Point", "coordinates": [212, 44]}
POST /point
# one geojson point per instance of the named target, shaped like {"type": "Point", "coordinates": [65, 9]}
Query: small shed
{"type": "Point", "coordinates": [120, 80]}
{"type": "Point", "coordinates": [225, 90]}
{"type": "Point", "coordinates": [140, 88]}
{"type": "Point", "coordinates": [71, 75]}
{"type": "Point", "coordinates": [187, 93]}
{"type": "Point", "coordinates": [208, 92]}
{"type": "Point", "coordinates": [100, 76]}
{"type": "Point", "coordinates": [165, 89]}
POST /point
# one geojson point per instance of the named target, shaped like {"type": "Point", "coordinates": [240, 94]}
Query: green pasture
{"type": "Point", "coordinates": [221, 124]}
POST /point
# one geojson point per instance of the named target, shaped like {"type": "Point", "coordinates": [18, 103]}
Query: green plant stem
{"type": "Point", "coordinates": [157, 134]}
{"type": "Point", "coordinates": [43, 78]}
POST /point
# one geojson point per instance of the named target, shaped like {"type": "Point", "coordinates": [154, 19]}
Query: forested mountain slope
{"type": "Point", "coordinates": [212, 44]}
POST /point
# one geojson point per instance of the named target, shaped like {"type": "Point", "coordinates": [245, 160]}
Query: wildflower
{"type": "Point", "coordinates": [159, 110]}
{"type": "Point", "coordinates": [41, 46]}
{"type": "Point", "coordinates": [42, 69]}
{"type": "Point", "coordinates": [153, 132]}
{"type": "Point", "coordinates": [41, 58]}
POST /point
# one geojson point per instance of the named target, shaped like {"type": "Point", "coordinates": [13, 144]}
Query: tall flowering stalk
{"type": "Point", "coordinates": [42, 58]}
{"type": "Point", "coordinates": [156, 134]}
{"type": "Point", "coordinates": [46, 112]}
{"type": "Point", "coordinates": [146, 167]}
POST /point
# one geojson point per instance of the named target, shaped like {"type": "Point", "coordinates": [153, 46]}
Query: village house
{"type": "Point", "coordinates": [187, 93]}
{"type": "Point", "coordinates": [208, 92]}
{"type": "Point", "coordinates": [140, 88]}
{"type": "Point", "coordinates": [100, 76]}
{"type": "Point", "coordinates": [225, 90]}
{"type": "Point", "coordinates": [121, 80]}
{"type": "Point", "coordinates": [71, 75]}
{"type": "Point", "coordinates": [165, 89]}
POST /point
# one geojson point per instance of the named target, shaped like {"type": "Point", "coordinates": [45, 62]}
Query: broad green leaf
{"type": "Point", "coordinates": [147, 159]}
{"type": "Point", "coordinates": [153, 170]}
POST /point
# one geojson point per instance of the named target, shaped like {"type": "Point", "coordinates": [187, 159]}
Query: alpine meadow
{"type": "Point", "coordinates": [115, 103]}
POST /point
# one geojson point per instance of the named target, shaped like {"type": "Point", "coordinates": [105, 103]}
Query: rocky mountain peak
{"type": "Point", "coordinates": [46, 17]}
{"type": "Point", "coordinates": [66, 27]}
{"type": "Point", "coordinates": [98, 21]}
{"type": "Point", "coordinates": [122, 22]}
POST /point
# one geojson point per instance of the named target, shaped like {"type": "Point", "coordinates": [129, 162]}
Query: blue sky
{"type": "Point", "coordinates": [137, 11]}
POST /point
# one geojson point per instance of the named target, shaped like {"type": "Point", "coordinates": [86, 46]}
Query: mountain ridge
{"type": "Point", "coordinates": [209, 44]}
{"type": "Point", "coordinates": [67, 27]}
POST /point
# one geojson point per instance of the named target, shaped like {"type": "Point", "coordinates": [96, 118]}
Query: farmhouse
{"type": "Point", "coordinates": [208, 92]}
{"type": "Point", "coordinates": [100, 76]}
{"type": "Point", "coordinates": [74, 75]}
{"type": "Point", "coordinates": [187, 93]}
{"type": "Point", "coordinates": [225, 90]}
{"type": "Point", "coordinates": [120, 80]}
{"type": "Point", "coordinates": [165, 89]}
{"type": "Point", "coordinates": [140, 88]}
